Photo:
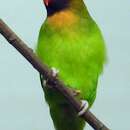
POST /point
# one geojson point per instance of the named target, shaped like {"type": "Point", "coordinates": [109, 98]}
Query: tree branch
{"type": "Point", "coordinates": [16, 42]}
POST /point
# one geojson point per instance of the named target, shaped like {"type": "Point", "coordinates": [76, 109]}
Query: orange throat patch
{"type": "Point", "coordinates": [63, 19]}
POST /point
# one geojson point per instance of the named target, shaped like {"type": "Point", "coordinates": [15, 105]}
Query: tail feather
{"type": "Point", "coordinates": [65, 118]}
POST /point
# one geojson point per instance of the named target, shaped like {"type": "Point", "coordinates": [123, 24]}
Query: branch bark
{"type": "Point", "coordinates": [16, 42]}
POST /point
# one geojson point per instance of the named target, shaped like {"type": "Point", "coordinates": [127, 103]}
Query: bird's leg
{"type": "Point", "coordinates": [84, 107]}
{"type": "Point", "coordinates": [45, 82]}
{"type": "Point", "coordinates": [77, 92]}
{"type": "Point", "coordinates": [74, 91]}
{"type": "Point", "coordinates": [54, 71]}
{"type": "Point", "coordinates": [54, 74]}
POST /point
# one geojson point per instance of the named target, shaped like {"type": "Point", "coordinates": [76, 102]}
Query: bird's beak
{"type": "Point", "coordinates": [46, 2]}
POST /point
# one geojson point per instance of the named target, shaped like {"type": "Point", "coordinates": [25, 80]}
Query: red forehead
{"type": "Point", "coordinates": [47, 2]}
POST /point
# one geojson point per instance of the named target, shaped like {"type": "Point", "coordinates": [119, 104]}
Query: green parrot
{"type": "Point", "coordinates": [70, 43]}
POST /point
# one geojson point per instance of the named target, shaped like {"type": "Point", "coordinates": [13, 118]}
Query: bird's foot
{"type": "Point", "coordinates": [76, 92]}
{"type": "Point", "coordinates": [45, 82]}
{"type": "Point", "coordinates": [54, 72]}
{"type": "Point", "coordinates": [84, 107]}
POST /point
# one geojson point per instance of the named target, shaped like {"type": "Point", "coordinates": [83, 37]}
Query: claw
{"type": "Point", "coordinates": [76, 92]}
{"type": "Point", "coordinates": [44, 82]}
{"type": "Point", "coordinates": [84, 107]}
{"type": "Point", "coordinates": [54, 71]}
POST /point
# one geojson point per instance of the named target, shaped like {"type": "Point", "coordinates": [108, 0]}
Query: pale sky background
{"type": "Point", "coordinates": [22, 106]}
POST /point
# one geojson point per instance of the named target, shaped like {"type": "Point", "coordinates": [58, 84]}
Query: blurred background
{"type": "Point", "coordinates": [22, 105]}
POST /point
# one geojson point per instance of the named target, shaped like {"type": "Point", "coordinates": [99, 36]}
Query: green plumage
{"type": "Point", "coordinates": [78, 52]}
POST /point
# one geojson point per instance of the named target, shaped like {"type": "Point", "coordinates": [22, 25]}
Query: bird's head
{"type": "Point", "coordinates": [53, 6]}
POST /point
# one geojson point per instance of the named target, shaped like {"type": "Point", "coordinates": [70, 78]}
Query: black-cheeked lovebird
{"type": "Point", "coordinates": [70, 42]}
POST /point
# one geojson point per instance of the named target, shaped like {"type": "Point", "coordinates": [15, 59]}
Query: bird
{"type": "Point", "coordinates": [71, 44]}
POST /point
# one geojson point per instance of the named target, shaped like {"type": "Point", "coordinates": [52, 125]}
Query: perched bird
{"type": "Point", "coordinates": [70, 43]}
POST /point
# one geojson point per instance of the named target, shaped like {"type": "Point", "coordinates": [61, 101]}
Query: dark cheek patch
{"type": "Point", "coordinates": [56, 6]}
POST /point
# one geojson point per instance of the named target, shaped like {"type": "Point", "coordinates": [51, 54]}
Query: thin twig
{"type": "Point", "coordinates": [16, 42]}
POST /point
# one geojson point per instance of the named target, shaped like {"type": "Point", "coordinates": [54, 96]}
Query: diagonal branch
{"type": "Point", "coordinates": [16, 42]}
